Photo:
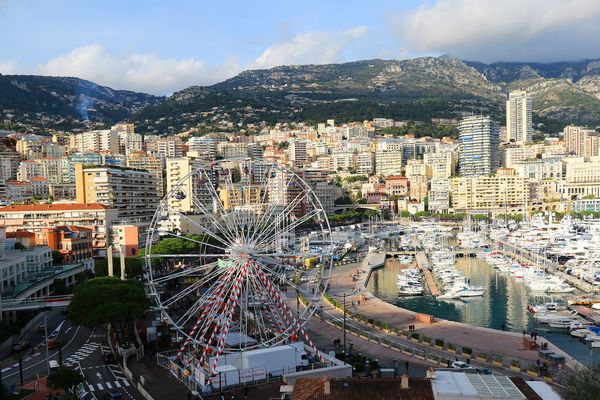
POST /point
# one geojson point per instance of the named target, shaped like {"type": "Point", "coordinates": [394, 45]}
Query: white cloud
{"type": "Point", "coordinates": [309, 48]}
{"type": "Point", "coordinates": [508, 29]}
{"type": "Point", "coordinates": [141, 72]}
{"type": "Point", "coordinates": [8, 67]}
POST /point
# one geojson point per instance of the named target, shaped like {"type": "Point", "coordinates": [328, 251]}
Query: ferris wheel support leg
{"type": "Point", "coordinates": [296, 324]}
{"type": "Point", "coordinates": [235, 296]}
{"type": "Point", "coordinates": [205, 312]}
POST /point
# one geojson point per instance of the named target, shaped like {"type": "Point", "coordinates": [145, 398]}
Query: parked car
{"type": "Point", "coordinates": [114, 394]}
{"type": "Point", "coordinates": [485, 371]}
{"type": "Point", "coordinates": [462, 365]}
{"type": "Point", "coordinates": [21, 345]}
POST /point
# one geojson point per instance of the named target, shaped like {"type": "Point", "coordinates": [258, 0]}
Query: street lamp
{"type": "Point", "coordinates": [344, 324]}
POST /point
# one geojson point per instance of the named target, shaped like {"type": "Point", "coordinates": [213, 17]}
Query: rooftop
{"type": "Point", "coordinates": [52, 207]}
{"type": "Point", "coordinates": [362, 388]}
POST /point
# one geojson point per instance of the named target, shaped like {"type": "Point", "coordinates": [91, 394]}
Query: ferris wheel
{"type": "Point", "coordinates": [245, 231]}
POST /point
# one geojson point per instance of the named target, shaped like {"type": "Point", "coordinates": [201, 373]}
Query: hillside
{"type": "Point", "coordinates": [66, 102]}
{"type": "Point", "coordinates": [416, 89]}
{"type": "Point", "coordinates": [419, 89]}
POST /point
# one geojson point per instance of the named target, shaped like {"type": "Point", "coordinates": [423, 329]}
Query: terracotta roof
{"type": "Point", "coordinates": [39, 178]}
{"type": "Point", "coordinates": [53, 207]}
{"type": "Point", "coordinates": [20, 234]}
{"type": "Point", "coordinates": [363, 388]}
{"type": "Point", "coordinates": [18, 183]}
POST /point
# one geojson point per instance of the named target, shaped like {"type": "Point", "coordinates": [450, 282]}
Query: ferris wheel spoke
{"type": "Point", "coordinates": [184, 272]}
{"type": "Point", "coordinates": [217, 300]}
{"type": "Point", "coordinates": [219, 206]}
{"type": "Point", "coordinates": [273, 202]}
{"type": "Point", "coordinates": [198, 255]}
{"type": "Point", "coordinates": [215, 222]}
{"type": "Point", "coordinates": [284, 214]}
{"type": "Point", "coordinates": [196, 241]}
{"type": "Point", "coordinates": [202, 228]}
{"type": "Point", "coordinates": [181, 295]}
{"type": "Point", "coordinates": [262, 199]}
{"type": "Point", "coordinates": [272, 234]}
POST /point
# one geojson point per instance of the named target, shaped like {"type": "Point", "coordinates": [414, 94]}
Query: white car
{"type": "Point", "coordinates": [462, 365]}
{"type": "Point", "coordinates": [304, 278]}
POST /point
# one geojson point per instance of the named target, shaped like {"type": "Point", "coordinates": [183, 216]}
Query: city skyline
{"type": "Point", "coordinates": [155, 47]}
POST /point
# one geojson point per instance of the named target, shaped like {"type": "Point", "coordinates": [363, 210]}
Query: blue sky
{"type": "Point", "coordinates": [162, 46]}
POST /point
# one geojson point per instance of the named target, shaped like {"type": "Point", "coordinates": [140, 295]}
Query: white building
{"type": "Point", "coordinates": [519, 127]}
{"type": "Point", "coordinates": [96, 141]}
{"type": "Point", "coordinates": [479, 146]}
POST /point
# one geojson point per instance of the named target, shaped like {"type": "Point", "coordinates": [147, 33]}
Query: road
{"type": "Point", "coordinates": [82, 350]}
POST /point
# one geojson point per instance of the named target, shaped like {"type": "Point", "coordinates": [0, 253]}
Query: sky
{"type": "Point", "coordinates": [162, 46]}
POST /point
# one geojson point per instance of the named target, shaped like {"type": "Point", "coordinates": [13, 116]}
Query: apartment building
{"type": "Point", "coordinates": [35, 217]}
{"type": "Point", "coordinates": [133, 193]}
{"type": "Point", "coordinates": [105, 140]}
{"type": "Point", "coordinates": [519, 126]}
{"type": "Point", "coordinates": [503, 192]}
{"type": "Point", "coordinates": [152, 164]}
{"type": "Point", "coordinates": [479, 146]}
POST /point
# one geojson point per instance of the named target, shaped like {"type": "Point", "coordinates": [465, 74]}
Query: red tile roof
{"type": "Point", "coordinates": [53, 207]}
{"type": "Point", "coordinates": [363, 388]}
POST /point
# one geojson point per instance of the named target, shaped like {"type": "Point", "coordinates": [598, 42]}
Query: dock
{"type": "Point", "coordinates": [423, 264]}
{"type": "Point", "coordinates": [372, 262]}
{"type": "Point", "coordinates": [588, 313]}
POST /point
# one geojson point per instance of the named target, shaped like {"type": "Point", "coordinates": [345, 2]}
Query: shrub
{"type": "Point", "coordinates": [497, 357]}
{"type": "Point", "coordinates": [451, 346]}
{"type": "Point", "coordinates": [467, 350]}
{"type": "Point", "coordinates": [414, 335]}
{"type": "Point", "coordinates": [359, 367]}
{"type": "Point", "coordinates": [439, 342]}
{"type": "Point", "coordinates": [370, 321]}
{"type": "Point", "coordinates": [482, 355]}
{"type": "Point", "coordinates": [533, 367]}
{"type": "Point", "coordinates": [515, 363]}
{"type": "Point", "coordinates": [426, 339]}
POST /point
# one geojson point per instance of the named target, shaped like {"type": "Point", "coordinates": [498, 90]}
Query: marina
{"type": "Point", "coordinates": [497, 288]}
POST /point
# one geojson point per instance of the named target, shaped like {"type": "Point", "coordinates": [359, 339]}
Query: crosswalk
{"type": "Point", "coordinates": [119, 383]}
{"type": "Point", "coordinates": [81, 354]}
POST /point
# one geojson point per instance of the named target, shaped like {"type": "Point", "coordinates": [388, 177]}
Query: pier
{"type": "Point", "coordinates": [423, 264]}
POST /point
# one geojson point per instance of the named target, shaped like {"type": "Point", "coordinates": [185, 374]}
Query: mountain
{"type": "Point", "coordinates": [418, 89]}
{"type": "Point", "coordinates": [67, 103]}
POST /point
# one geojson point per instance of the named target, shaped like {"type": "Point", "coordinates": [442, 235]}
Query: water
{"type": "Point", "coordinates": [504, 302]}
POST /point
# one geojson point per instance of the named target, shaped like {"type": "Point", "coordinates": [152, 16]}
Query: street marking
{"type": "Point", "coordinates": [100, 386]}
{"type": "Point", "coordinates": [117, 384]}
{"type": "Point", "coordinates": [108, 385]}
{"type": "Point", "coordinates": [6, 369]}
{"type": "Point", "coordinates": [126, 382]}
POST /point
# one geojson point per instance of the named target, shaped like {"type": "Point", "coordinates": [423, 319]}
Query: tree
{"type": "Point", "coordinates": [101, 300]}
{"type": "Point", "coordinates": [134, 266]}
{"type": "Point", "coordinates": [59, 287]}
{"type": "Point", "coordinates": [583, 384]}
{"type": "Point", "coordinates": [65, 378]}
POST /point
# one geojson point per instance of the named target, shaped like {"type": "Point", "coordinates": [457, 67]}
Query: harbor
{"type": "Point", "coordinates": [493, 284]}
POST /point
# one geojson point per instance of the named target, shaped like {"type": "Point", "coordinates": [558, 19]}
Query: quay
{"type": "Point", "coordinates": [373, 261]}
{"type": "Point", "coordinates": [509, 345]}
{"type": "Point", "coordinates": [423, 264]}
